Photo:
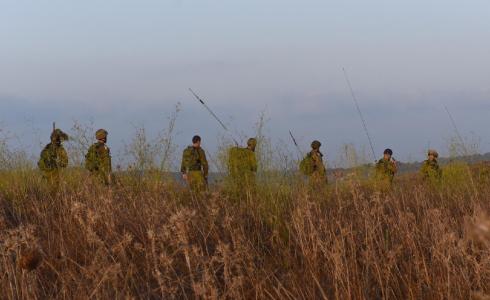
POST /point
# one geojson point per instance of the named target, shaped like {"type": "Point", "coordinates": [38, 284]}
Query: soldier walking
{"type": "Point", "coordinates": [53, 157]}
{"type": "Point", "coordinates": [98, 158]}
{"type": "Point", "coordinates": [194, 167]}
{"type": "Point", "coordinates": [242, 164]}
{"type": "Point", "coordinates": [430, 169]}
{"type": "Point", "coordinates": [312, 165]}
{"type": "Point", "coordinates": [386, 167]}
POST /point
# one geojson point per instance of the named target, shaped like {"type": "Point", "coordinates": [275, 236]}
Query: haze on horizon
{"type": "Point", "coordinates": [125, 63]}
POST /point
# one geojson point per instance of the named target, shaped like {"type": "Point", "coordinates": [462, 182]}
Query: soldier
{"type": "Point", "coordinates": [194, 166]}
{"type": "Point", "coordinates": [242, 164]}
{"type": "Point", "coordinates": [430, 168]}
{"type": "Point", "coordinates": [312, 165]}
{"type": "Point", "coordinates": [98, 158]}
{"type": "Point", "coordinates": [53, 157]}
{"type": "Point", "coordinates": [386, 167]}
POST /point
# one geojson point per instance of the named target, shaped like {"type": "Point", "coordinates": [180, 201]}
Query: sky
{"type": "Point", "coordinates": [123, 64]}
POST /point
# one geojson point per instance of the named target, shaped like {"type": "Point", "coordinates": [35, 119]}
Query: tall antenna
{"type": "Point", "coordinates": [295, 143]}
{"type": "Point", "coordinates": [456, 131]}
{"type": "Point", "coordinates": [360, 113]}
{"type": "Point", "coordinates": [212, 113]}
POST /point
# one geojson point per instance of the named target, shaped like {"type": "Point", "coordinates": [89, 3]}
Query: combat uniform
{"type": "Point", "coordinates": [319, 174]}
{"type": "Point", "coordinates": [53, 157]}
{"type": "Point", "coordinates": [195, 166]}
{"type": "Point", "coordinates": [242, 164]}
{"type": "Point", "coordinates": [98, 159]}
{"type": "Point", "coordinates": [430, 168]}
{"type": "Point", "coordinates": [386, 170]}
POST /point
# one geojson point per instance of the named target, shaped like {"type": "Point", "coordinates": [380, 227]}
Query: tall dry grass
{"type": "Point", "coordinates": [149, 238]}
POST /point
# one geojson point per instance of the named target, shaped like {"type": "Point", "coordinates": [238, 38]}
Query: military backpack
{"type": "Point", "coordinates": [307, 165]}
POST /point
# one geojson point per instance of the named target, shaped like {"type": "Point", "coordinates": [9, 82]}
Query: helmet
{"type": "Point", "coordinates": [252, 142]}
{"type": "Point", "coordinates": [388, 151]}
{"type": "Point", "coordinates": [316, 145]}
{"type": "Point", "coordinates": [58, 135]}
{"type": "Point", "coordinates": [101, 134]}
{"type": "Point", "coordinates": [433, 152]}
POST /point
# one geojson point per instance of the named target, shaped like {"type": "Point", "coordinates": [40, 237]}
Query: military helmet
{"type": "Point", "coordinates": [433, 152]}
{"type": "Point", "coordinates": [316, 145]}
{"type": "Point", "coordinates": [252, 142]}
{"type": "Point", "coordinates": [58, 135]}
{"type": "Point", "coordinates": [101, 134]}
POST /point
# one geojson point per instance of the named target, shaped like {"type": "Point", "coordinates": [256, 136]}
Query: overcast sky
{"type": "Point", "coordinates": [123, 63]}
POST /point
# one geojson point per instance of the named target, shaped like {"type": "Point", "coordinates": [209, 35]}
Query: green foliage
{"type": "Point", "coordinates": [456, 174]}
{"type": "Point", "coordinates": [458, 178]}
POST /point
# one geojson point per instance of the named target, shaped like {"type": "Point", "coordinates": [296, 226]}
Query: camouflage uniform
{"type": "Point", "coordinates": [53, 157]}
{"type": "Point", "coordinates": [195, 166]}
{"type": "Point", "coordinates": [317, 171]}
{"type": "Point", "coordinates": [430, 168]}
{"type": "Point", "coordinates": [242, 164]}
{"type": "Point", "coordinates": [319, 174]}
{"type": "Point", "coordinates": [98, 158]}
{"type": "Point", "coordinates": [386, 170]}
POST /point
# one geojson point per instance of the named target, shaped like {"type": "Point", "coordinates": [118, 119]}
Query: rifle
{"type": "Point", "coordinates": [364, 125]}
{"type": "Point", "coordinates": [213, 114]}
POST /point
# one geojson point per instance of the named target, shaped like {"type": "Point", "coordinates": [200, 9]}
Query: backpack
{"type": "Point", "coordinates": [236, 160]}
{"type": "Point", "coordinates": [92, 158]}
{"type": "Point", "coordinates": [47, 161]}
{"type": "Point", "coordinates": [307, 165]}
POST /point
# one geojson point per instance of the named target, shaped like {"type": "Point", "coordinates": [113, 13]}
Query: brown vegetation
{"type": "Point", "coordinates": [149, 238]}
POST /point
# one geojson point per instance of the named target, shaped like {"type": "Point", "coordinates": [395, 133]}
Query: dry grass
{"type": "Point", "coordinates": [151, 239]}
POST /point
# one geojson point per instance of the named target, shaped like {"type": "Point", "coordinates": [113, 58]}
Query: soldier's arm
{"type": "Point", "coordinates": [204, 163]}
{"type": "Point", "coordinates": [394, 167]}
{"type": "Point", "coordinates": [105, 161]}
{"type": "Point", "coordinates": [253, 162]}
{"type": "Point", "coordinates": [109, 167]}
{"type": "Point", "coordinates": [322, 166]}
{"type": "Point", "coordinates": [108, 161]}
{"type": "Point", "coordinates": [183, 165]}
{"type": "Point", "coordinates": [42, 161]}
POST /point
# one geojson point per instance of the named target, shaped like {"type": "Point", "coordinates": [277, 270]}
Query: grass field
{"type": "Point", "coordinates": [148, 237]}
